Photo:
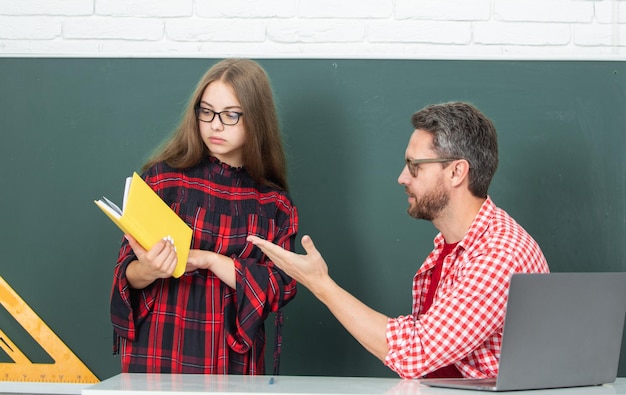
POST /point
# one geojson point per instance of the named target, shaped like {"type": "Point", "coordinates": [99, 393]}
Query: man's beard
{"type": "Point", "coordinates": [428, 206]}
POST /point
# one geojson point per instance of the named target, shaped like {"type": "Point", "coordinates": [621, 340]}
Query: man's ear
{"type": "Point", "coordinates": [459, 172]}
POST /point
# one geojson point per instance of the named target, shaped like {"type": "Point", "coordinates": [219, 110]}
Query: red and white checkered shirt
{"type": "Point", "coordinates": [464, 324]}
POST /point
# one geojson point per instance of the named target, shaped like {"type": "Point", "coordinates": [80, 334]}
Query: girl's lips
{"type": "Point", "coordinates": [216, 140]}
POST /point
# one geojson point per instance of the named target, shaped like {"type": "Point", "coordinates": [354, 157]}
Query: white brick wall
{"type": "Point", "coordinates": [489, 29]}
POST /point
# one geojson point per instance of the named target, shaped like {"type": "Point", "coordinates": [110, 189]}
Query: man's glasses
{"type": "Point", "coordinates": [226, 117]}
{"type": "Point", "coordinates": [413, 164]}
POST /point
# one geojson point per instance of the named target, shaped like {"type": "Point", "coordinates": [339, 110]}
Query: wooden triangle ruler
{"type": "Point", "coordinates": [66, 368]}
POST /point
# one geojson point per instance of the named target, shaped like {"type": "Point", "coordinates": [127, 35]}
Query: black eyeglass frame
{"type": "Point", "coordinates": [412, 164]}
{"type": "Point", "coordinates": [198, 108]}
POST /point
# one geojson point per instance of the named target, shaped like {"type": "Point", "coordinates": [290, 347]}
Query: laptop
{"type": "Point", "coordinates": [560, 330]}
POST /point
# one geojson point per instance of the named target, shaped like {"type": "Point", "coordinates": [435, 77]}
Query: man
{"type": "Point", "coordinates": [460, 291]}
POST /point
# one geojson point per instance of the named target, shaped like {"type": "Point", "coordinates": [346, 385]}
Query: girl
{"type": "Point", "coordinates": [224, 172]}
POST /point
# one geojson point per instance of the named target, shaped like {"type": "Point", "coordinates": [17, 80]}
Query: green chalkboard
{"type": "Point", "coordinates": [72, 130]}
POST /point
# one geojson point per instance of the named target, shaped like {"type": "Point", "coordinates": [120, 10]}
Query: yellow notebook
{"type": "Point", "coordinates": [146, 217]}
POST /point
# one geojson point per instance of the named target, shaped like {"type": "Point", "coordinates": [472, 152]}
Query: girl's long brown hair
{"type": "Point", "coordinates": [263, 154]}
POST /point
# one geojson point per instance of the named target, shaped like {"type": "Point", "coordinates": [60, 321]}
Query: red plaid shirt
{"type": "Point", "coordinates": [197, 324]}
{"type": "Point", "coordinates": [464, 324]}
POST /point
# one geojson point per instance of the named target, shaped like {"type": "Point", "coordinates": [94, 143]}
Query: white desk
{"type": "Point", "coordinates": [143, 384]}
{"type": "Point", "coordinates": [11, 387]}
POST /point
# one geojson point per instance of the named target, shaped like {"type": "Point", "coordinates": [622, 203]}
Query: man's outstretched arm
{"type": "Point", "coordinates": [366, 325]}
